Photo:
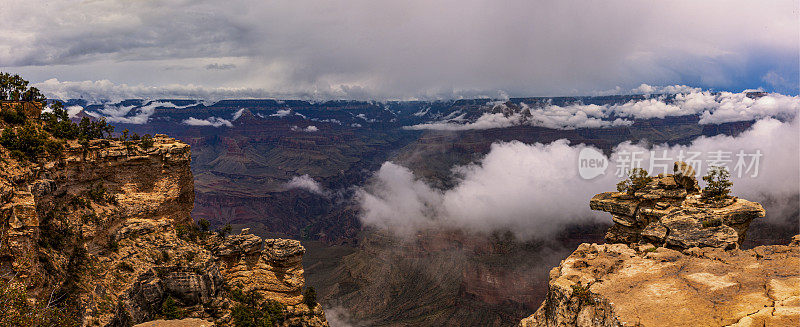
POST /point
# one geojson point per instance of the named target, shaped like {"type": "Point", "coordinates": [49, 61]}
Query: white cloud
{"type": "Point", "coordinates": [238, 114]}
{"type": "Point", "coordinates": [534, 190]}
{"type": "Point", "coordinates": [72, 111]}
{"type": "Point", "coordinates": [305, 182]}
{"type": "Point", "coordinates": [730, 107]}
{"type": "Point", "coordinates": [210, 121]}
{"type": "Point", "coordinates": [309, 129]}
{"type": "Point", "coordinates": [282, 113]}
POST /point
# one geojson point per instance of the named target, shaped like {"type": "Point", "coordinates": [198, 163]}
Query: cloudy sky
{"type": "Point", "coordinates": [360, 49]}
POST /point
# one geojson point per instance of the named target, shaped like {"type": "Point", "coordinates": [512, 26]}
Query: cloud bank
{"type": "Point", "coordinates": [210, 121]}
{"type": "Point", "coordinates": [534, 190]}
{"type": "Point", "coordinates": [713, 108]}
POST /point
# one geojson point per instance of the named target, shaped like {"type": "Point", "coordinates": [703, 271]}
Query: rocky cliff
{"type": "Point", "coordinates": [622, 285]}
{"type": "Point", "coordinates": [673, 259]}
{"type": "Point", "coordinates": [103, 234]}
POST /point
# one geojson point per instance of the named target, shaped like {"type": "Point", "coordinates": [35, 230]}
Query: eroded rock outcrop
{"type": "Point", "coordinates": [105, 231]}
{"type": "Point", "coordinates": [622, 285]}
{"type": "Point", "coordinates": [669, 211]}
{"type": "Point", "coordinates": [673, 260]}
{"type": "Point", "coordinates": [274, 269]}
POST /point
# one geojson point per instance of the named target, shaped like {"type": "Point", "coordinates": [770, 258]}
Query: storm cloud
{"type": "Point", "coordinates": [363, 49]}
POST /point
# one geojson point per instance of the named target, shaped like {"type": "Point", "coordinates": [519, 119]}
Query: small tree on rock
{"type": "Point", "coordinates": [718, 184]}
{"type": "Point", "coordinates": [310, 297]}
{"type": "Point", "coordinates": [637, 179]}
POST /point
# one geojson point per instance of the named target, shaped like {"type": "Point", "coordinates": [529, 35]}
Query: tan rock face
{"type": "Point", "coordinates": [669, 212]}
{"type": "Point", "coordinates": [272, 267]}
{"type": "Point", "coordinates": [623, 285]}
{"type": "Point", "coordinates": [110, 223]}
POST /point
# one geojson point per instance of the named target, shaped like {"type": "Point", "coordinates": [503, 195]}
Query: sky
{"type": "Point", "coordinates": [411, 49]}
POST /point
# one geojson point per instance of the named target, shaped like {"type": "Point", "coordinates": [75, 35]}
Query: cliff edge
{"type": "Point", "coordinates": [98, 232]}
{"type": "Point", "coordinates": [673, 260]}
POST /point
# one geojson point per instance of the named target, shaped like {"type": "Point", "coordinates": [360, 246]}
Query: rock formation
{"type": "Point", "coordinates": [674, 260]}
{"type": "Point", "coordinates": [622, 285]}
{"type": "Point", "coordinates": [669, 212]}
{"type": "Point", "coordinates": [104, 231]}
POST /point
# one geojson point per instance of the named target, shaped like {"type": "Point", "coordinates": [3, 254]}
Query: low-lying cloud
{"type": "Point", "coordinates": [210, 121]}
{"type": "Point", "coordinates": [534, 190]}
{"type": "Point", "coordinates": [307, 183]}
{"type": "Point", "coordinates": [308, 129]}
{"type": "Point", "coordinates": [713, 108]}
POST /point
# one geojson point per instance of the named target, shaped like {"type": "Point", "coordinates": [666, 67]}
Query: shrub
{"type": "Point", "coordinates": [225, 230]}
{"type": "Point", "coordinates": [13, 116]}
{"type": "Point", "coordinates": [163, 257]}
{"type": "Point", "coordinates": [29, 142]}
{"type": "Point", "coordinates": [78, 202]}
{"type": "Point", "coordinates": [718, 184]}
{"type": "Point", "coordinates": [310, 297]}
{"type": "Point", "coordinates": [204, 225]}
{"type": "Point", "coordinates": [113, 245]}
{"type": "Point", "coordinates": [188, 232]}
{"type": "Point", "coordinates": [16, 310]}
{"type": "Point", "coordinates": [712, 223]}
{"type": "Point", "coordinates": [170, 309]}
{"type": "Point", "coordinates": [582, 293]}
{"type": "Point", "coordinates": [146, 142]}
{"type": "Point", "coordinates": [637, 179]}
{"type": "Point", "coordinates": [252, 311]}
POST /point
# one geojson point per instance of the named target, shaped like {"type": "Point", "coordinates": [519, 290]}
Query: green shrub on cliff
{"type": "Point", "coordinates": [16, 310]}
{"type": "Point", "coordinates": [637, 179]}
{"type": "Point", "coordinates": [252, 311]}
{"type": "Point", "coordinates": [310, 298]}
{"type": "Point", "coordinates": [171, 310]}
{"type": "Point", "coordinates": [718, 184]}
{"type": "Point", "coordinates": [13, 116]}
{"type": "Point", "coordinates": [28, 142]}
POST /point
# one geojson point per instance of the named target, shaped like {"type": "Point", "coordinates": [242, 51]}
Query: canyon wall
{"type": "Point", "coordinates": [104, 232]}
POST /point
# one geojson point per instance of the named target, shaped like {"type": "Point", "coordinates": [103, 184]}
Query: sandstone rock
{"type": "Point", "coordinates": [238, 245]}
{"type": "Point", "coordinates": [132, 240]}
{"type": "Point", "coordinates": [625, 286]}
{"type": "Point", "coordinates": [668, 212]}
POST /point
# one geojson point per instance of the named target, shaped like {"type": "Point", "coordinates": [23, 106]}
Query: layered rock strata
{"type": "Point", "coordinates": [105, 230]}
{"type": "Point", "coordinates": [669, 211]}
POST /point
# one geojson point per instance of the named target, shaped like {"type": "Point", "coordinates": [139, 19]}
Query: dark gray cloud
{"type": "Point", "coordinates": [404, 49]}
